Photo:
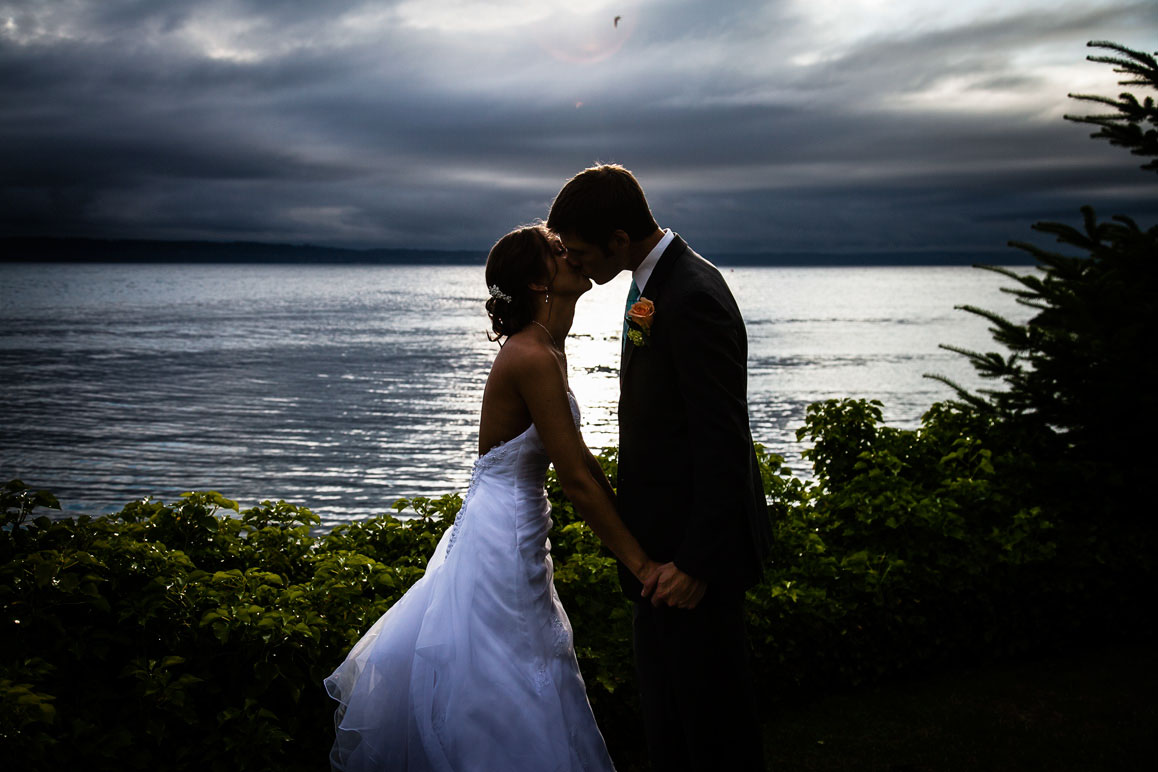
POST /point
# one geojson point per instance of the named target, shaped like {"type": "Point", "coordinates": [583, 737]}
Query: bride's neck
{"type": "Point", "coordinates": [556, 317]}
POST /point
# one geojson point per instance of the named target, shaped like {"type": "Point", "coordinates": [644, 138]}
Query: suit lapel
{"type": "Point", "coordinates": [654, 288]}
{"type": "Point", "coordinates": [628, 350]}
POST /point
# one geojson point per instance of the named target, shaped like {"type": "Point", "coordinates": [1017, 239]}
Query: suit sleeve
{"type": "Point", "coordinates": [709, 350]}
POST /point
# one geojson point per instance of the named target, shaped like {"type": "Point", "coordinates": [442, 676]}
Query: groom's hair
{"type": "Point", "coordinates": [598, 201]}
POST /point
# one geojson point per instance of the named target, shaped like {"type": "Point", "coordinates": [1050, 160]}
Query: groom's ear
{"type": "Point", "coordinates": [618, 242]}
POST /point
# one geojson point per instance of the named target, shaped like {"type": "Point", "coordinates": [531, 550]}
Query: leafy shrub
{"type": "Point", "coordinates": [194, 635]}
{"type": "Point", "coordinates": [174, 636]}
{"type": "Point", "coordinates": [901, 553]}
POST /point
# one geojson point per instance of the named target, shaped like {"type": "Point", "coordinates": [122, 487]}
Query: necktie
{"type": "Point", "coordinates": [632, 296]}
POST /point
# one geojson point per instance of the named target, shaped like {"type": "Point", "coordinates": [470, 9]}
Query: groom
{"type": "Point", "coordinates": [689, 485]}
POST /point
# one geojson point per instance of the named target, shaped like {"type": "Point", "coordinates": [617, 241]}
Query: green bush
{"type": "Point", "coordinates": [905, 551]}
{"type": "Point", "coordinates": [191, 635]}
{"type": "Point", "coordinates": [175, 636]}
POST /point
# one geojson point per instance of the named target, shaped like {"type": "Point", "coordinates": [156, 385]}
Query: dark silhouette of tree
{"type": "Point", "coordinates": [1126, 127]}
{"type": "Point", "coordinates": [1077, 384]}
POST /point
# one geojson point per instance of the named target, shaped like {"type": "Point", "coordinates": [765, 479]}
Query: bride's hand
{"type": "Point", "coordinates": [649, 577]}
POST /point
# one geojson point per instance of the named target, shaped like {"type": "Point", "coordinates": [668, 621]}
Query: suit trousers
{"type": "Point", "coordinates": [696, 686]}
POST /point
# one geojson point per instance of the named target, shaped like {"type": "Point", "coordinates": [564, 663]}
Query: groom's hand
{"type": "Point", "coordinates": [675, 588]}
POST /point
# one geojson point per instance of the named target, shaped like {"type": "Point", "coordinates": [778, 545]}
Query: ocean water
{"type": "Point", "coordinates": [346, 387]}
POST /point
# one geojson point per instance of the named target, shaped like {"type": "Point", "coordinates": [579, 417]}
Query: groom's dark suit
{"type": "Point", "coordinates": [689, 489]}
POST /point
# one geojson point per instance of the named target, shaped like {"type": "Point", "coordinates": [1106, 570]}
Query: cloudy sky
{"type": "Point", "coordinates": [786, 125]}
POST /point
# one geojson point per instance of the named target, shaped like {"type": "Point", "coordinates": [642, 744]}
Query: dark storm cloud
{"type": "Point", "coordinates": [422, 125]}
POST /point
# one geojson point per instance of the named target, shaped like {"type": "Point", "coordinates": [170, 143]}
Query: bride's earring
{"type": "Point", "coordinates": [547, 299]}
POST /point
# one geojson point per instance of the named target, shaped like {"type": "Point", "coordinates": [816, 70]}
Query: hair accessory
{"type": "Point", "coordinates": [498, 294]}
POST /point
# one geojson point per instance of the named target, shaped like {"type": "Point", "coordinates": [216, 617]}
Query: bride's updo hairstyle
{"type": "Point", "coordinates": [515, 261]}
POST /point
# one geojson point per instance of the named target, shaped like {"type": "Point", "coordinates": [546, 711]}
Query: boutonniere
{"type": "Point", "coordinates": [639, 318]}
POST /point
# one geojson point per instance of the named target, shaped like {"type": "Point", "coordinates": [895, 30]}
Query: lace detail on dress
{"type": "Point", "coordinates": [481, 464]}
{"type": "Point", "coordinates": [562, 636]}
{"type": "Point", "coordinates": [574, 404]}
{"type": "Point", "coordinates": [542, 679]}
{"type": "Point", "coordinates": [458, 517]}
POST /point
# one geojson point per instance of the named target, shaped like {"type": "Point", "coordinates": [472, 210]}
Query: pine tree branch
{"type": "Point", "coordinates": [992, 316]}
{"type": "Point", "coordinates": [1031, 282]}
{"type": "Point", "coordinates": [1146, 60]}
{"type": "Point", "coordinates": [1001, 269]}
{"type": "Point", "coordinates": [1032, 304]}
{"type": "Point", "coordinates": [962, 392]}
{"type": "Point", "coordinates": [990, 365]}
{"type": "Point", "coordinates": [1124, 129]}
{"type": "Point", "coordinates": [1107, 101]}
{"type": "Point", "coordinates": [1018, 293]}
{"type": "Point", "coordinates": [1129, 223]}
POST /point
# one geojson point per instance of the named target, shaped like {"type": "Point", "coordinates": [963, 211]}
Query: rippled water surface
{"type": "Point", "coordinates": [346, 387]}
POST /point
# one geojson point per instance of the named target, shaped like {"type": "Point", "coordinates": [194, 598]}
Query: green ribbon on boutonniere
{"type": "Point", "coordinates": [639, 319]}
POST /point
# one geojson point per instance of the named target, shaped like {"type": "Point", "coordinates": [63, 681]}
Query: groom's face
{"type": "Point", "coordinates": [600, 264]}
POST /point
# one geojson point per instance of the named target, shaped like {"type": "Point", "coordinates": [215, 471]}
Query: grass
{"type": "Point", "coordinates": [1075, 712]}
{"type": "Point", "coordinates": [1092, 710]}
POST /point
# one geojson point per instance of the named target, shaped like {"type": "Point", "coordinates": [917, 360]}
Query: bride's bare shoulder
{"type": "Point", "coordinates": [524, 354]}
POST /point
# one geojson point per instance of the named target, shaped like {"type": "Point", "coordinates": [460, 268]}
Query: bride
{"type": "Point", "coordinates": [474, 667]}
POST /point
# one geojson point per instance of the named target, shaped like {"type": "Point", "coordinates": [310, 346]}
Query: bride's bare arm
{"type": "Point", "coordinates": [598, 473]}
{"type": "Point", "coordinates": [540, 384]}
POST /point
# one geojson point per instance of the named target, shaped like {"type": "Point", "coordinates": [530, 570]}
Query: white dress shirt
{"type": "Point", "coordinates": [643, 271]}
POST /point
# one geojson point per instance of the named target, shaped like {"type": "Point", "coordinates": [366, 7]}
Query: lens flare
{"type": "Point", "coordinates": [586, 37]}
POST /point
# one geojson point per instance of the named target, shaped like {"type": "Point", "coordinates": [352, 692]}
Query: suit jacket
{"type": "Point", "coordinates": [689, 485]}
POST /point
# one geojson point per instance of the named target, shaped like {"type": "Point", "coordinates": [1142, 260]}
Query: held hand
{"type": "Point", "coordinates": [675, 588]}
{"type": "Point", "coordinates": [648, 577]}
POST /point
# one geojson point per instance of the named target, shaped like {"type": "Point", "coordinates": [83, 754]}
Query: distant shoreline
{"type": "Point", "coordinates": [80, 250]}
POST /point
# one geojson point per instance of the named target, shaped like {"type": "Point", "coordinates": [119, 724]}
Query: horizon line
{"type": "Point", "coordinates": [72, 249]}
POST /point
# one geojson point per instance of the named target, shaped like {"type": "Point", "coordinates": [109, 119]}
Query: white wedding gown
{"type": "Point", "coordinates": [474, 667]}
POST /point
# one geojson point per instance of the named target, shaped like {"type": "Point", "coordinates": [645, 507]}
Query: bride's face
{"type": "Point", "coordinates": [569, 279]}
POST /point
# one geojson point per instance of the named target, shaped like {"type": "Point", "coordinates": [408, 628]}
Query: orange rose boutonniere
{"type": "Point", "coordinates": [639, 319]}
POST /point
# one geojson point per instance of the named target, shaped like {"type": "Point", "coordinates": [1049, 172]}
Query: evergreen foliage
{"type": "Point", "coordinates": [1128, 126]}
{"type": "Point", "coordinates": [1074, 387]}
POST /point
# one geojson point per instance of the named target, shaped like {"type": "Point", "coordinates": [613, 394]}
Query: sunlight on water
{"type": "Point", "coordinates": [346, 387]}
{"type": "Point", "coordinates": [593, 352]}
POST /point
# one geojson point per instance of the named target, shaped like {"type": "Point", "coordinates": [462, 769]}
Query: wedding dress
{"type": "Point", "coordinates": [474, 667]}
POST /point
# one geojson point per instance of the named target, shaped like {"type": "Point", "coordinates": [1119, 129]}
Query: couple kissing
{"type": "Point", "coordinates": [474, 667]}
